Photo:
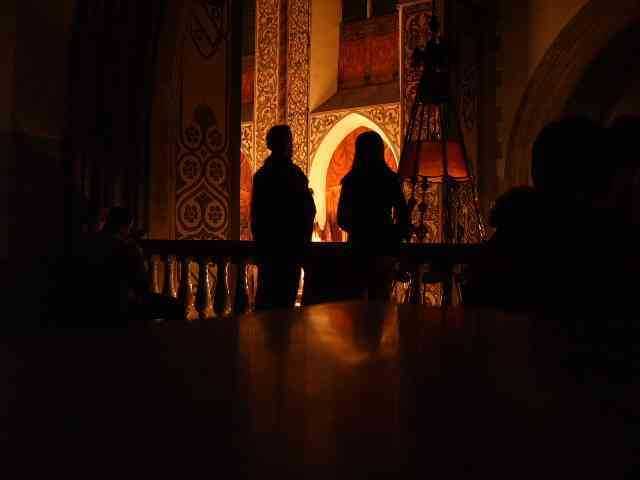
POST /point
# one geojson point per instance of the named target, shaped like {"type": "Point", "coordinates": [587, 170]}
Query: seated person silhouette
{"type": "Point", "coordinates": [373, 211]}
{"type": "Point", "coordinates": [115, 275]}
{"type": "Point", "coordinates": [282, 215]}
{"type": "Point", "coordinates": [114, 285]}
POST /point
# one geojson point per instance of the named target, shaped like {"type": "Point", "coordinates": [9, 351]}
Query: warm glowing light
{"type": "Point", "coordinates": [427, 159]}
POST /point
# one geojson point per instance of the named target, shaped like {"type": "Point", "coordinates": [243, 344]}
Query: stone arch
{"type": "Point", "coordinates": [558, 74]}
{"type": "Point", "coordinates": [324, 154]}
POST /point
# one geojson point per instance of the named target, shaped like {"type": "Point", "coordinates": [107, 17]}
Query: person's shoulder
{"type": "Point", "coordinates": [298, 174]}
{"type": "Point", "coordinates": [297, 170]}
{"type": "Point", "coordinates": [262, 175]}
{"type": "Point", "coordinates": [261, 172]}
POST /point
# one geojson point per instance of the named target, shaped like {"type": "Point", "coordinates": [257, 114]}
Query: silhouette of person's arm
{"type": "Point", "coordinates": [345, 208]}
{"type": "Point", "coordinates": [402, 211]}
{"type": "Point", "coordinates": [309, 213]}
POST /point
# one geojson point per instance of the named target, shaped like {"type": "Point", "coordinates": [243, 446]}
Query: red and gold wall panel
{"type": "Point", "coordinates": [248, 79]}
{"type": "Point", "coordinates": [369, 52]}
{"type": "Point", "coordinates": [247, 169]}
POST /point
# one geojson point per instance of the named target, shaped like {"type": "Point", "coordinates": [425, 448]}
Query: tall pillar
{"type": "Point", "coordinates": [267, 55]}
{"type": "Point", "coordinates": [298, 72]}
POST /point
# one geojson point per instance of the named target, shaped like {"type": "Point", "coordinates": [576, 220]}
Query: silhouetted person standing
{"type": "Point", "coordinates": [373, 211]}
{"type": "Point", "coordinates": [282, 214]}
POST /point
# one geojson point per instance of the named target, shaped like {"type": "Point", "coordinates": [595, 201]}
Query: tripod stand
{"type": "Point", "coordinates": [435, 166]}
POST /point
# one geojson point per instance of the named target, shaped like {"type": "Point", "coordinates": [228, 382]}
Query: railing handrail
{"type": "Point", "coordinates": [241, 250]}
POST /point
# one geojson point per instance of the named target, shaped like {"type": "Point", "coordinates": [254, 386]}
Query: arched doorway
{"type": "Point", "coordinates": [324, 155]}
{"type": "Point", "coordinates": [559, 73]}
{"type": "Point", "coordinates": [341, 162]}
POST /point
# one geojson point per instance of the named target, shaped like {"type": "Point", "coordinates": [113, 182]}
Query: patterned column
{"type": "Point", "coordinates": [414, 20]}
{"type": "Point", "coordinates": [267, 73]}
{"type": "Point", "coordinates": [298, 71]}
{"type": "Point", "coordinates": [206, 142]}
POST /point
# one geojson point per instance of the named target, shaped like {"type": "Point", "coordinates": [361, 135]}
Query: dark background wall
{"type": "Point", "coordinates": [34, 52]}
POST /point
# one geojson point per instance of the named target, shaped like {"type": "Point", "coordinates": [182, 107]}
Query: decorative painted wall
{"type": "Point", "coordinates": [247, 169]}
{"type": "Point", "coordinates": [369, 52]}
{"type": "Point", "coordinates": [298, 71]}
{"type": "Point", "coordinates": [414, 21]}
{"type": "Point", "coordinates": [267, 72]}
{"type": "Point", "coordinates": [199, 138]}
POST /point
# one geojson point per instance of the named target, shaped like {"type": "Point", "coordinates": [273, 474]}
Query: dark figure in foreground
{"type": "Point", "coordinates": [282, 214]}
{"type": "Point", "coordinates": [373, 211]}
{"type": "Point", "coordinates": [544, 235]}
{"type": "Point", "coordinates": [115, 288]}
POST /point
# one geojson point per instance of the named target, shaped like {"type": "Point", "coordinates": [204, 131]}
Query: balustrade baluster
{"type": "Point", "coordinates": [153, 274]}
{"type": "Point", "coordinates": [186, 292]}
{"type": "Point", "coordinates": [222, 300]}
{"type": "Point", "coordinates": [241, 300]}
{"type": "Point", "coordinates": [204, 301]}
{"type": "Point", "coordinates": [170, 277]}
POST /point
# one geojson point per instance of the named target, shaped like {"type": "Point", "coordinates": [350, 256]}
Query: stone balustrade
{"type": "Point", "coordinates": [214, 279]}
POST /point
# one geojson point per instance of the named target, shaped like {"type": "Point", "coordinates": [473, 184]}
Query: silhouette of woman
{"type": "Point", "coordinates": [373, 211]}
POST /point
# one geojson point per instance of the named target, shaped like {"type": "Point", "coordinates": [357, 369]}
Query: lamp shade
{"type": "Point", "coordinates": [426, 159]}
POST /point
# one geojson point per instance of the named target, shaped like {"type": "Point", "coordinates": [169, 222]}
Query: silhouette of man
{"type": "Point", "coordinates": [282, 214]}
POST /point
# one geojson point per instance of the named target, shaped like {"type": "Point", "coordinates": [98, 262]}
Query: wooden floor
{"type": "Point", "coordinates": [348, 390]}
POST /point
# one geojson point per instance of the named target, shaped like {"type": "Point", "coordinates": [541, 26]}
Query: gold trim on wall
{"type": "Point", "coordinates": [267, 73]}
{"type": "Point", "coordinates": [298, 72]}
{"type": "Point", "coordinates": [386, 116]}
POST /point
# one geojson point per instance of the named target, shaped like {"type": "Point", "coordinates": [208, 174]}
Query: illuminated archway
{"type": "Point", "coordinates": [341, 163]}
{"type": "Point", "coordinates": [324, 154]}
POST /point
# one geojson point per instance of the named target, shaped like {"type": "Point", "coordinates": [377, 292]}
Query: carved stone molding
{"type": "Point", "coordinates": [298, 70]}
{"type": "Point", "coordinates": [558, 74]}
{"type": "Point", "coordinates": [267, 72]}
{"type": "Point", "coordinates": [387, 117]}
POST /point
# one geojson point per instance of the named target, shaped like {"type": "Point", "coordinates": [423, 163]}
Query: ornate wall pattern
{"type": "Point", "coordinates": [414, 27]}
{"type": "Point", "coordinates": [247, 144]}
{"type": "Point", "coordinates": [203, 150]}
{"type": "Point", "coordinates": [267, 72]}
{"type": "Point", "coordinates": [247, 169]}
{"type": "Point", "coordinates": [368, 52]}
{"type": "Point", "coordinates": [386, 116]}
{"type": "Point", "coordinates": [298, 70]}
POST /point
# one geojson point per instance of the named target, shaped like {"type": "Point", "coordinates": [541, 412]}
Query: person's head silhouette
{"type": "Point", "coordinates": [564, 158]}
{"type": "Point", "coordinates": [280, 142]}
{"type": "Point", "coordinates": [369, 156]}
